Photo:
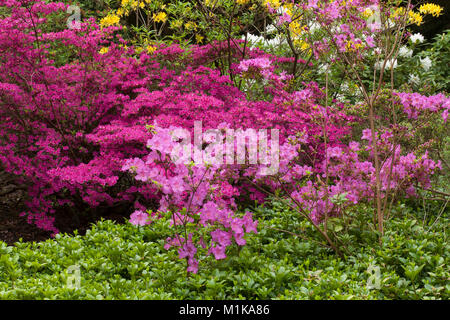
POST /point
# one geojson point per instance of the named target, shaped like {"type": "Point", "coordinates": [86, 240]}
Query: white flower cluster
{"type": "Point", "coordinates": [405, 52]}
{"type": "Point", "coordinates": [322, 68]}
{"type": "Point", "coordinates": [389, 64]}
{"type": "Point", "coordinates": [425, 63]}
{"type": "Point", "coordinates": [417, 38]}
{"type": "Point", "coordinates": [260, 40]}
{"type": "Point", "coordinates": [413, 79]}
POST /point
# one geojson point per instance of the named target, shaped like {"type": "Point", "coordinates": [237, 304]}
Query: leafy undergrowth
{"type": "Point", "coordinates": [128, 262]}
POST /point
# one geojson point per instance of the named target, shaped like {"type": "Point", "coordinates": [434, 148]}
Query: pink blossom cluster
{"type": "Point", "coordinates": [197, 196]}
{"type": "Point", "coordinates": [352, 176]}
{"type": "Point", "coordinates": [357, 36]}
{"type": "Point", "coordinates": [49, 110]}
{"type": "Point", "coordinates": [257, 63]}
{"type": "Point", "coordinates": [415, 104]}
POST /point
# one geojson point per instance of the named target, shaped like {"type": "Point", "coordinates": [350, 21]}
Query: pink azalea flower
{"type": "Point", "coordinates": [139, 218]}
{"type": "Point", "coordinates": [370, 42]}
{"type": "Point", "coordinates": [218, 251]}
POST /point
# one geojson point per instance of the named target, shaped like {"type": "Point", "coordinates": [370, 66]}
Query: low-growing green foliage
{"type": "Point", "coordinates": [128, 262]}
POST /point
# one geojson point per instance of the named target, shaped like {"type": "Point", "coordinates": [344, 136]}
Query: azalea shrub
{"type": "Point", "coordinates": [90, 120]}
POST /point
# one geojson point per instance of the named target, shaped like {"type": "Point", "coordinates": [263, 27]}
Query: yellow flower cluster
{"type": "Point", "coordinates": [296, 28]}
{"type": "Point", "coordinates": [367, 13]}
{"type": "Point", "coordinates": [352, 46]}
{"type": "Point", "coordinates": [130, 5]}
{"type": "Point", "coordinates": [274, 4]}
{"type": "Point", "coordinates": [241, 2]}
{"type": "Point", "coordinates": [134, 4]}
{"type": "Point", "coordinates": [190, 25]}
{"type": "Point", "coordinates": [160, 17]}
{"type": "Point", "coordinates": [109, 20]}
{"type": "Point", "coordinates": [151, 49]}
{"type": "Point", "coordinates": [120, 12]}
{"type": "Point", "coordinates": [148, 46]}
{"type": "Point", "coordinates": [303, 45]}
{"type": "Point", "coordinates": [199, 38]}
{"type": "Point", "coordinates": [415, 17]}
{"type": "Point", "coordinates": [127, 5]}
{"type": "Point", "coordinates": [431, 8]}
{"type": "Point", "coordinates": [176, 24]}
{"type": "Point", "coordinates": [104, 50]}
{"type": "Point", "coordinates": [398, 12]}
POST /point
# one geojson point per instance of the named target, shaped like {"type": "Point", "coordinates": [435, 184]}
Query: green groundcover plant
{"type": "Point", "coordinates": [127, 262]}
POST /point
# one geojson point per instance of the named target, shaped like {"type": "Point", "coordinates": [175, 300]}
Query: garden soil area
{"type": "Point", "coordinates": [13, 226]}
